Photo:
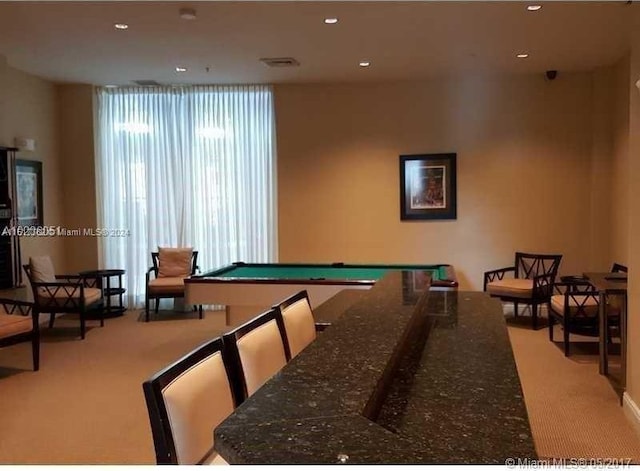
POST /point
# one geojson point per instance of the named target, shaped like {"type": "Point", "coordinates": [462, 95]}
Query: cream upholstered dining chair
{"type": "Point", "coordinates": [61, 294]}
{"type": "Point", "coordinates": [531, 283]}
{"type": "Point", "coordinates": [19, 323]}
{"type": "Point", "coordinates": [186, 401]}
{"type": "Point", "coordinates": [257, 349]}
{"type": "Point", "coordinates": [299, 324]}
{"type": "Point", "coordinates": [170, 267]}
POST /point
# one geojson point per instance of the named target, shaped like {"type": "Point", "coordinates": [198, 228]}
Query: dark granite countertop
{"type": "Point", "coordinates": [398, 378]}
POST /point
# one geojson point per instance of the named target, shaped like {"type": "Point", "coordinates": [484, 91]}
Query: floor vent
{"type": "Point", "coordinates": [280, 61]}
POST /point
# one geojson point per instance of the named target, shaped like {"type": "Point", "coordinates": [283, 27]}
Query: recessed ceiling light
{"type": "Point", "coordinates": [121, 26]}
{"type": "Point", "coordinates": [365, 63]}
{"type": "Point", "coordinates": [110, 86]}
{"type": "Point", "coordinates": [522, 56]}
{"type": "Point", "coordinates": [534, 7]}
{"type": "Point", "coordinates": [181, 69]}
{"type": "Point", "coordinates": [331, 21]}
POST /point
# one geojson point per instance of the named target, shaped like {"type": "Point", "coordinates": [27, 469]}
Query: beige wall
{"type": "Point", "coordinates": [28, 109]}
{"type": "Point", "coordinates": [542, 166]}
{"type": "Point", "coordinates": [633, 342]}
{"type": "Point", "coordinates": [75, 115]}
{"type": "Point", "coordinates": [524, 149]}
{"type": "Point", "coordinates": [619, 190]}
{"type": "Point", "coordinates": [600, 197]}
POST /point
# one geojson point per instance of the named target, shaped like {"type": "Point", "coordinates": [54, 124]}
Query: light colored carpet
{"type": "Point", "coordinates": [86, 406]}
{"type": "Point", "coordinates": [574, 411]}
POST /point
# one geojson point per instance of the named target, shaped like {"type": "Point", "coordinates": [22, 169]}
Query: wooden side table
{"type": "Point", "coordinates": [612, 284]}
{"type": "Point", "coordinates": [104, 282]}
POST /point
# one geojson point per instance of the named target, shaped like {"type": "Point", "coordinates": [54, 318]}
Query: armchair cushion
{"type": "Point", "coordinates": [174, 262]}
{"type": "Point", "coordinates": [588, 304]}
{"type": "Point", "coordinates": [42, 269]}
{"type": "Point", "coordinates": [511, 287]}
{"type": "Point", "coordinates": [166, 285]}
{"type": "Point", "coordinates": [14, 324]}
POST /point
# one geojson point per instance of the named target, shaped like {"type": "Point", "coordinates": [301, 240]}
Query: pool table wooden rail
{"type": "Point", "coordinates": [249, 295]}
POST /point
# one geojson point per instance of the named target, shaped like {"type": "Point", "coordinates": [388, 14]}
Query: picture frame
{"type": "Point", "coordinates": [28, 178]}
{"type": "Point", "coordinates": [428, 186]}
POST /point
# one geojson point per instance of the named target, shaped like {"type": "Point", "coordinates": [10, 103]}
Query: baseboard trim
{"type": "Point", "coordinates": [631, 411]}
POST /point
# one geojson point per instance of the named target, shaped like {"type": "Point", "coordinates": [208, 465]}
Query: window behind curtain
{"type": "Point", "coordinates": [190, 166]}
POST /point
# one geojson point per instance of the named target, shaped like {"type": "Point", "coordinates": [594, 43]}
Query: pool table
{"type": "Point", "coordinates": [253, 287]}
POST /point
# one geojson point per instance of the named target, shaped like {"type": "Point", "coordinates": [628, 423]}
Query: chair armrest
{"type": "Point", "coordinates": [89, 281]}
{"type": "Point", "coordinates": [572, 285]}
{"type": "Point", "coordinates": [497, 274]}
{"type": "Point", "coordinates": [69, 277]}
{"type": "Point", "coordinates": [64, 282]}
{"type": "Point", "coordinates": [148, 274]}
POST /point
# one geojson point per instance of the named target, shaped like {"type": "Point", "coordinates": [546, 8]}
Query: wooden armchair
{"type": "Point", "coordinates": [19, 323]}
{"type": "Point", "coordinates": [574, 305]}
{"type": "Point", "coordinates": [531, 282]}
{"type": "Point", "coordinates": [619, 268]}
{"type": "Point", "coordinates": [165, 279]}
{"type": "Point", "coordinates": [58, 294]}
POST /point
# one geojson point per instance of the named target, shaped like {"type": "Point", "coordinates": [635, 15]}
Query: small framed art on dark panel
{"type": "Point", "coordinates": [428, 186]}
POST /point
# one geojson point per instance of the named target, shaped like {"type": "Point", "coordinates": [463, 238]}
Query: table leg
{"type": "Point", "coordinates": [623, 342]}
{"type": "Point", "coordinates": [108, 293]}
{"type": "Point", "coordinates": [604, 365]}
{"type": "Point", "coordinates": [121, 305]}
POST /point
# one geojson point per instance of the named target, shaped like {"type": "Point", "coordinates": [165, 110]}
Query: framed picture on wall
{"type": "Point", "coordinates": [428, 186]}
{"type": "Point", "coordinates": [29, 192]}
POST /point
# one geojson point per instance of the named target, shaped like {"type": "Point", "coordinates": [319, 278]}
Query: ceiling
{"type": "Point", "coordinates": [77, 41]}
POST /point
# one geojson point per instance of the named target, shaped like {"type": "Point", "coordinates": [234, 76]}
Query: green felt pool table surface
{"type": "Point", "coordinates": [440, 274]}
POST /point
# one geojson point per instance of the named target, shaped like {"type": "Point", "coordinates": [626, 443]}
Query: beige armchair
{"type": "Point", "coordinates": [19, 323]}
{"type": "Point", "coordinates": [529, 281]}
{"type": "Point", "coordinates": [165, 279]}
{"type": "Point", "coordinates": [60, 294]}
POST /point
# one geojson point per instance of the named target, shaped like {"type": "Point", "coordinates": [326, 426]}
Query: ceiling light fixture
{"type": "Point", "coordinates": [331, 21]}
{"type": "Point", "coordinates": [522, 56]}
{"type": "Point", "coordinates": [181, 69]}
{"type": "Point", "coordinates": [365, 63]}
{"type": "Point", "coordinates": [534, 7]}
{"type": "Point", "coordinates": [121, 26]}
{"type": "Point", "coordinates": [187, 13]}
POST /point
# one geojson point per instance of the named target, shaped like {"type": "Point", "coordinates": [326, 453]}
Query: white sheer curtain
{"type": "Point", "coordinates": [191, 166]}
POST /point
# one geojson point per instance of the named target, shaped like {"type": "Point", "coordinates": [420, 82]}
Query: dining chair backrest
{"type": "Point", "coordinates": [258, 349]}
{"type": "Point", "coordinates": [299, 323]}
{"type": "Point", "coordinates": [618, 268]}
{"type": "Point", "coordinates": [529, 265]}
{"type": "Point", "coordinates": [186, 400]}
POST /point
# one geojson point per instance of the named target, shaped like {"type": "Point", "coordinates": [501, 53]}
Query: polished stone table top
{"type": "Point", "coordinates": [399, 377]}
